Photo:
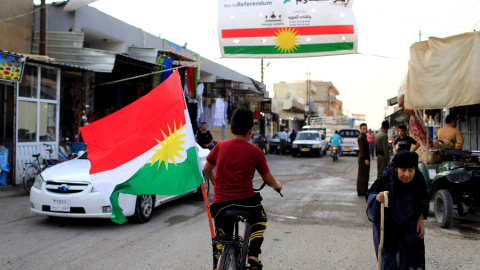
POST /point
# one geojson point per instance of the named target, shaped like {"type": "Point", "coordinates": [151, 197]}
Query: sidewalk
{"type": "Point", "coordinates": [12, 191]}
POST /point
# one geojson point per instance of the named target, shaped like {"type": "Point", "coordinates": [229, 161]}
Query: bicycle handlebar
{"type": "Point", "coordinates": [263, 185]}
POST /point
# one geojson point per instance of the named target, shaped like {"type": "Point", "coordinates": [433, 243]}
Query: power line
{"type": "Point", "coordinates": [11, 18]}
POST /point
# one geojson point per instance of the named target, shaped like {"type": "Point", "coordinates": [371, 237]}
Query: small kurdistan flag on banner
{"type": "Point", "coordinates": [281, 29]}
{"type": "Point", "coordinates": [148, 147]}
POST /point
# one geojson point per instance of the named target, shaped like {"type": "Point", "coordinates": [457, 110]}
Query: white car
{"type": "Point", "coordinates": [309, 142]}
{"type": "Point", "coordinates": [350, 143]}
{"type": "Point", "coordinates": [64, 190]}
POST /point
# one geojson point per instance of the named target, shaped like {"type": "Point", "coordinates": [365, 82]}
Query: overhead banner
{"type": "Point", "coordinates": [286, 28]}
{"type": "Point", "coordinates": [358, 117]}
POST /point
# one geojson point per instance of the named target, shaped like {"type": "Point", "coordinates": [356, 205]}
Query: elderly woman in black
{"type": "Point", "coordinates": [403, 246]}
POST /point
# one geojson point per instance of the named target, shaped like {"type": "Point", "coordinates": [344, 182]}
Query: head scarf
{"type": "Point", "coordinates": [405, 159]}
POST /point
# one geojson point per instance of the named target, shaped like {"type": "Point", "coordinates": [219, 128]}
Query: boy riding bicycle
{"type": "Point", "coordinates": [236, 161]}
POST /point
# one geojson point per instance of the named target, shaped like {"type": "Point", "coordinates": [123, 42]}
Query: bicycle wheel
{"type": "Point", "coordinates": [229, 258]}
{"type": "Point", "coordinates": [29, 177]}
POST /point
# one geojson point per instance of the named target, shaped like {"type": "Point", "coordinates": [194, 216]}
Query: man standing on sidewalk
{"type": "Point", "coordinates": [371, 143]}
{"type": "Point", "coordinates": [381, 148]}
{"type": "Point", "coordinates": [283, 142]}
{"type": "Point", "coordinates": [363, 162]}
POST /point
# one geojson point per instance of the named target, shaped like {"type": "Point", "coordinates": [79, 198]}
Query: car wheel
{"type": "Point", "coordinates": [199, 193]}
{"type": "Point", "coordinates": [325, 151]}
{"type": "Point", "coordinates": [144, 208]}
{"type": "Point", "coordinates": [294, 154]}
{"type": "Point", "coordinates": [443, 208]}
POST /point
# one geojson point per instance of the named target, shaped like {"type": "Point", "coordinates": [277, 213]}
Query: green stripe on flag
{"type": "Point", "coordinates": [159, 181]}
{"type": "Point", "coordinates": [302, 48]}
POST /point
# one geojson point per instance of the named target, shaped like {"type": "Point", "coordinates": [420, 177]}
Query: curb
{"type": "Point", "coordinates": [11, 191]}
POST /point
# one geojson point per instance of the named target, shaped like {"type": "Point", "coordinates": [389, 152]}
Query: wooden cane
{"type": "Point", "coordinates": [382, 221]}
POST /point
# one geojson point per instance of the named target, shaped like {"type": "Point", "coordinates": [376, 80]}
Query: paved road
{"type": "Point", "coordinates": [319, 224]}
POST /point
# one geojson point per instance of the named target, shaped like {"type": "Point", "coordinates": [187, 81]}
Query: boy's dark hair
{"type": "Point", "coordinates": [403, 127]}
{"type": "Point", "coordinates": [362, 124]}
{"type": "Point", "coordinates": [450, 118]}
{"type": "Point", "coordinates": [242, 121]}
{"type": "Point", "coordinates": [203, 123]}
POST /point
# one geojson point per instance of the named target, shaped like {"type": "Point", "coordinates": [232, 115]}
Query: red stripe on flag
{"type": "Point", "coordinates": [126, 134]}
{"type": "Point", "coordinates": [302, 30]}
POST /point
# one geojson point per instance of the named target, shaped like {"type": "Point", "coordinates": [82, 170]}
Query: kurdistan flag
{"type": "Point", "coordinates": [282, 28]}
{"type": "Point", "coordinates": [148, 147]}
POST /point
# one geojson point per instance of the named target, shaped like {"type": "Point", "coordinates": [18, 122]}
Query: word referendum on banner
{"type": "Point", "coordinates": [286, 28]}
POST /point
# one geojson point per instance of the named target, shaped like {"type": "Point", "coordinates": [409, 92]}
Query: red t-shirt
{"type": "Point", "coordinates": [236, 161]}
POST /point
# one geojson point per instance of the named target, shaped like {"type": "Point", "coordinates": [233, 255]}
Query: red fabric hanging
{"type": "Point", "coordinates": [191, 80]}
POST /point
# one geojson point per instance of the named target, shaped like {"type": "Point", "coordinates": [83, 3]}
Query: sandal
{"type": "Point", "coordinates": [254, 265]}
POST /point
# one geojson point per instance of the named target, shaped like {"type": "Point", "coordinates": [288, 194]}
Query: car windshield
{"type": "Point", "coordinates": [84, 156]}
{"type": "Point", "coordinates": [349, 133]}
{"type": "Point", "coordinates": [275, 136]}
{"type": "Point", "coordinates": [308, 136]}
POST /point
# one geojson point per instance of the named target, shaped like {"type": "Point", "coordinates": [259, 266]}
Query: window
{"type": "Point", "coordinates": [27, 121]}
{"type": "Point", "coordinates": [28, 86]}
{"type": "Point", "coordinates": [48, 121]}
{"type": "Point", "coordinates": [37, 106]}
{"type": "Point", "coordinates": [48, 87]}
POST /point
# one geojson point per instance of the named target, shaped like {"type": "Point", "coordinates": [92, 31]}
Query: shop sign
{"type": "Point", "coordinates": [177, 49]}
{"type": "Point", "coordinates": [286, 28]}
{"type": "Point", "coordinates": [11, 67]}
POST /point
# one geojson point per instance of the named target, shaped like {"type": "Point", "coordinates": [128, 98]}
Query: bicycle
{"type": "Point", "coordinates": [32, 169]}
{"type": "Point", "coordinates": [235, 247]}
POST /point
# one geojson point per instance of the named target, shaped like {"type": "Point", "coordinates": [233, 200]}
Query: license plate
{"type": "Point", "coordinates": [347, 147]}
{"type": "Point", "coordinates": [60, 205]}
{"type": "Point", "coordinates": [305, 149]}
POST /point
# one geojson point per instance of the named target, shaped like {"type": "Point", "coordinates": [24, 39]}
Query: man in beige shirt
{"type": "Point", "coordinates": [450, 132]}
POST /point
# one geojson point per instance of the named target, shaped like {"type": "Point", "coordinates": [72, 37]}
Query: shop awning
{"type": "Point", "coordinates": [443, 72]}
{"type": "Point", "coordinates": [398, 118]}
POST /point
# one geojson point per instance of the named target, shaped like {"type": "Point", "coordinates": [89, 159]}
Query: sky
{"type": "Point", "coordinates": [386, 30]}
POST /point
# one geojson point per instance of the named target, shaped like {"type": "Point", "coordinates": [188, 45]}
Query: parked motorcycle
{"type": "Point", "coordinates": [453, 182]}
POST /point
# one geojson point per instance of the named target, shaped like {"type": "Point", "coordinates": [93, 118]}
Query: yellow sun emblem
{"type": "Point", "coordinates": [170, 148]}
{"type": "Point", "coordinates": [286, 40]}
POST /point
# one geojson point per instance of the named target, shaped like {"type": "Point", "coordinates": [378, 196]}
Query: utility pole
{"type": "Point", "coordinates": [43, 29]}
{"type": "Point", "coordinates": [261, 69]}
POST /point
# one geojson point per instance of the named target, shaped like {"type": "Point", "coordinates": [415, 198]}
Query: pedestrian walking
{"type": "Point", "coordinates": [363, 161]}
{"type": "Point", "coordinates": [381, 148]}
{"type": "Point", "coordinates": [283, 142]}
{"type": "Point", "coordinates": [371, 143]}
{"type": "Point", "coordinates": [404, 230]}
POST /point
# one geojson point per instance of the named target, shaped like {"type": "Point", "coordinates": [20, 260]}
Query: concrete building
{"type": "Point", "coordinates": [95, 64]}
{"type": "Point", "coordinates": [295, 102]}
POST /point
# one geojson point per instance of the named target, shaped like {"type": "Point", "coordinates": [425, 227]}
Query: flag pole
{"type": "Point", "coordinates": [207, 206]}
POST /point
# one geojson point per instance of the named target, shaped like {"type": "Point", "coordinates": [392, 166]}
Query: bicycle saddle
{"type": "Point", "coordinates": [36, 155]}
{"type": "Point", "coordinates": [234, 214]}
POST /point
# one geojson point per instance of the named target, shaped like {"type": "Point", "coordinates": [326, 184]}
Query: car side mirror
{"type": "Point", "coordinates": [323, 136]}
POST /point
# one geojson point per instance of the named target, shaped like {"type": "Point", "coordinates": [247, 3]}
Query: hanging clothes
{"type": "Point", "coordinates": [181, 72]}
{"type": "Point", "coordinates": [192, 106]}
{"type": "Point", "coordinates": [191, 80]}
{"type": "Point", "coordinates": [218, 113]}
{"type": "Point", "coordinates": [200, 101]}
{"type": "Point", "coordinates": [167, 64]}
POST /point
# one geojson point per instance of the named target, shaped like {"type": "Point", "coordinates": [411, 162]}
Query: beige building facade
{"type": "Point", "coordinates": [295, 101]}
